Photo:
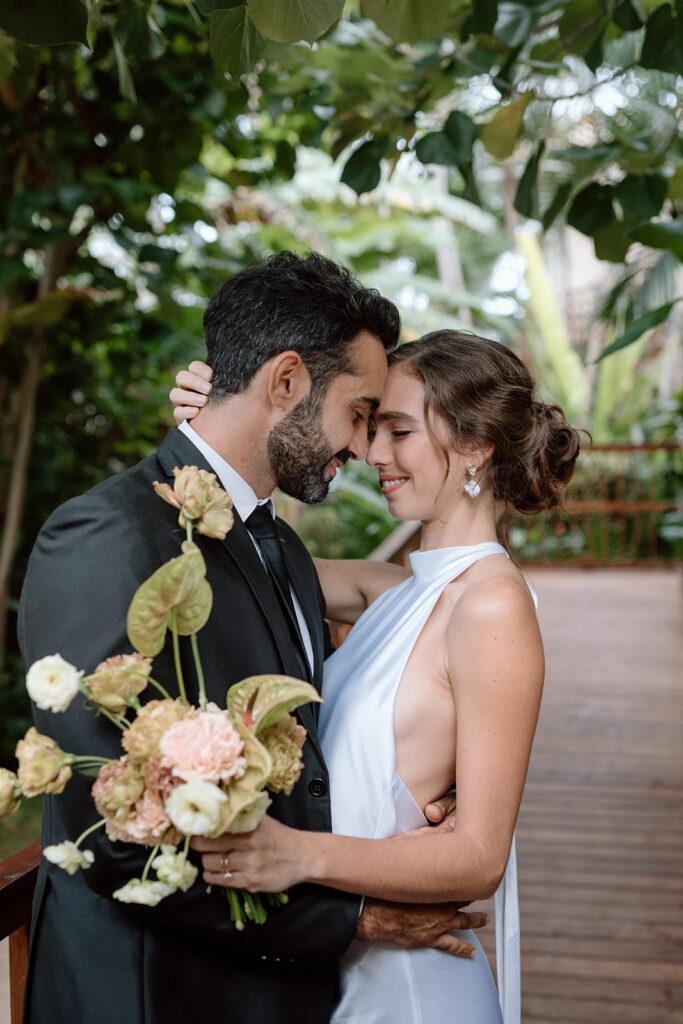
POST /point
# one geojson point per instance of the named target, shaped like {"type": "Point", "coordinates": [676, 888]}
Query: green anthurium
{"type": "Point", "coordinates": [176, 593]}
{"type": "Point", "coordinates": [260, 701]}
{"type": "Point", "coordinates": [259, 762]}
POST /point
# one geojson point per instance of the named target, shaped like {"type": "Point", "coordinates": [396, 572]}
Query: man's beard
{"type": "Point", "coordinates": [299, 453]}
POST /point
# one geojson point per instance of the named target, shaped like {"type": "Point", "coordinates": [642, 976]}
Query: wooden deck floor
{"type": "Point", "coordinates": [600, 834]}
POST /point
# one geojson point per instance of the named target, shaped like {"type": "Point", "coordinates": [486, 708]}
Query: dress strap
{"type": "Point", "coordinates": [508, 956]}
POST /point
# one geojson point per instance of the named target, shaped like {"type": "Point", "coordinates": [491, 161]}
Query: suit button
{"type": "Point", "coordinates": [317, 787]}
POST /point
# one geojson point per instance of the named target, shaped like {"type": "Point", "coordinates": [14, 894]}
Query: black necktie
{"type": "Point", "coordinates": [261, 526]}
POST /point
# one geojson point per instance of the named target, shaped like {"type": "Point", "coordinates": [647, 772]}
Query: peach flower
{"type": "Point", "coordinates": [141, 739]}
{"type": "Point", "coordinates": [43, 766]}
{"type": "Point", "coordinates": [206, 747]}
{"type": "Point", "coordinates": [147, 821]}
{"type": "Point", "coordinates": [117, 679]}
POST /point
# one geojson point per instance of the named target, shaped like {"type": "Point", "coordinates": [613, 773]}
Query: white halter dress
{"type": "Point", "coordinates": [380, 983]}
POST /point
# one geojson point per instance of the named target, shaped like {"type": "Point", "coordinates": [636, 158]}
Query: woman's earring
{"type": "Point", "coordinates": [472, 487]}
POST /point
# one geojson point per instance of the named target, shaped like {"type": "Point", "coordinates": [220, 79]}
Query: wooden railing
{"type": "Point", "coordinates": [17, 882]}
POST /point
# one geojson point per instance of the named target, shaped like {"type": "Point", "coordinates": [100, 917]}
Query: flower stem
{"type": "Point", "coordinates": [149, 861]}
{"type": "Point", "coordinates": [93, 828]}
{"type": "Point", "coordinates": [188, 528]}
{"type": "Point", "coordinates": [162, 689]}
{"type": "Point", "coordinates": [235, 909]}
{"type": "Point", "coordinates": [200, 673]}
{"type": "Point", "coordinates": [90, 760]}
{"type": "Point", "coordinates": [176, 657]}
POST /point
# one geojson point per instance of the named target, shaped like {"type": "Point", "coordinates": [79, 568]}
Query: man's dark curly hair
{"type": "Point", "coordinates": [308, 304]}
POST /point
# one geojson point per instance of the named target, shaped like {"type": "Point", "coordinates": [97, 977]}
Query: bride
{"type": "Point", "coordinates": [438, 682]}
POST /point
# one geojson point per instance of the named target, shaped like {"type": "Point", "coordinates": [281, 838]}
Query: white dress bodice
{"type": "Point", "coordinates": [381, 984]}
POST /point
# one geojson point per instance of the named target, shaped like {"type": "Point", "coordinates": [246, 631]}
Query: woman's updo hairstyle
{"type": "Point", "coordinates": [485, 395]}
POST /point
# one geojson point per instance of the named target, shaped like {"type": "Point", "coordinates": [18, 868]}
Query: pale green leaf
{"type": "Point", "coordinates": [288, 21]}
{"type": "Point", "coordinates": [500, 134]}
{"type": "Point", "coordinates": [234, 41]}
{"type": "Point", "coordinates": [406, 21]}
{"type": "Point", "coordinates": [178, 589]}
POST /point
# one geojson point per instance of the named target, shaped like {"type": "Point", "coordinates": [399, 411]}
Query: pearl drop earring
{"type": "Point", "coordinates": [472, 487]}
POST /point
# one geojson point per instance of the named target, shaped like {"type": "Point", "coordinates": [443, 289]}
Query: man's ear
{"type": "Point", "coordinates": [288, 381]}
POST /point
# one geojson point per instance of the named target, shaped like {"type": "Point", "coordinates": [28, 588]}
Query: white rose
{"type": "Point", "coordinates": [147, 893]}
{"type": "Point", "coordinates": [52, 683]}
{"type": "Point", "coordinates": [250, 815]}
{"type": "Point", "coordinates": [174, 868]}
{"type": "Point", "coordinates": [197, 808]}
{"type": "Point", "coordinates": [68, 856]}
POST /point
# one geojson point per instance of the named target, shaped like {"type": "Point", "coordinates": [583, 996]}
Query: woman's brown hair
{"type": "Point", "coordinates": [485, 395]}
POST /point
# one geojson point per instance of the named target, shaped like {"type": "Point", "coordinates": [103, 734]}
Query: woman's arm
{"type": "Point", "coordinates": [495, 660]}
{"type": "Point", "coordinates": [351, 584]}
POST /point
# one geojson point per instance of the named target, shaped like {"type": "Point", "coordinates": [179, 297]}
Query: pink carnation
{"type": "Point", "coordinates": [148, 822]}
{"type": "Point", "coordinates": [207, 747]}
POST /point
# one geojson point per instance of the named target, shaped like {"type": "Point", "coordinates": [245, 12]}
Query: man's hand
{"type": "Point", "coordinates": [441, 813]}
{"type": "Point", "coordinates": [416, 925]}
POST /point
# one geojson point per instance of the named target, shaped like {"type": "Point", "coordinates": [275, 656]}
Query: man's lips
{"type": "Point", "coordinates": [389, 484]}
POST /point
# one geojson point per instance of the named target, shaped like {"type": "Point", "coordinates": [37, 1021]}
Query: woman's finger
{"type": "Point", "coordinates": [192, 382]}
{"type": "Point", "coordinates": [201, 369]}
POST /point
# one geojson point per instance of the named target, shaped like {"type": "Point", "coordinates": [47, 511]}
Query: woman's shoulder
{"type": "Point", "coordinates": [496, 589]}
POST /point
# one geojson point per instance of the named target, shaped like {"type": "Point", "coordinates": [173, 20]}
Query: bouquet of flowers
{"type": "Point", "coordinates": [185, 770]}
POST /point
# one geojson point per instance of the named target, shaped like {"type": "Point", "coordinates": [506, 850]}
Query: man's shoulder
{"type": "Point", "coordinates": [129, 491]}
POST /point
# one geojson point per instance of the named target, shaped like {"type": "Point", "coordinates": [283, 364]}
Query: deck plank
{"type": "Point", "coordinates": [600, 832]}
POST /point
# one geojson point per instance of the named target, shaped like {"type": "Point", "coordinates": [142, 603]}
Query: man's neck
{"type": "Point", "coordinates": [237, 434]}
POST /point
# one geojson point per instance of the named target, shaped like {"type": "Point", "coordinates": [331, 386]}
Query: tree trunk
{"type": "Point", "coordinates": [56, 259]}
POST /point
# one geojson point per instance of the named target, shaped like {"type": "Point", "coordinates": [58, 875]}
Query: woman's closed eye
{"type": "Point", "coordinates": [400, 433]}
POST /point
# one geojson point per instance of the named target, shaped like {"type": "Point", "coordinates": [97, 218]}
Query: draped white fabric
{"type": "Point", "coordinates": [381, 984]}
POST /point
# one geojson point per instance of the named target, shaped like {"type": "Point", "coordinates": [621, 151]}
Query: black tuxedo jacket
{"type": "Point", "coordinates": [94, 960]}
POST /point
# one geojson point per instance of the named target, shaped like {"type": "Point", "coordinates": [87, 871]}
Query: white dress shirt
{"type": "Point", "coordinates": [245, 501]}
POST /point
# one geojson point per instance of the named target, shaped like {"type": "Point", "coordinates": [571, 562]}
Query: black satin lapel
{"type": "Point", "coordinates": [304, 588]}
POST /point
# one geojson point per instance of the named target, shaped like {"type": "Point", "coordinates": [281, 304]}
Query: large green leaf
{"type": "Point", "coordinates": [641, 195]}
{"type": "Point", "coordinates": [406, 21]}
{"type": "Point", "coordinates": [234, 41]}
{"type": "Point", "coordinates": [461, 131]}
{"type": "Point", "coordinates": [484, 15]}
{"type": "Point", "coordinates": [288, 21]}
{"type": "Point", "coordinates": [591, 209]}
{"type": "Point", "coordinates": [526, 198]}
{"type": "Point", "coordinates": [661, 235]}
{"type": "Point", "coordinates": [662, 45]}
{"type": "Point", "coordinates": [557, 204]}
{"type": "Point", "coordinates": [363, 168]}
{"type": "Point", "coordinates": [500, 134]}
{"type": "Point", "coordinates": [638, 328]}
{"type": "Point", "coordinates": [260, 701]}
{"type": "Point", "coordinates": [611, 242]}
{"type": "Point", "coordinates": [45, 22]}
{"type": "Point", "coordinates": [437, 148]}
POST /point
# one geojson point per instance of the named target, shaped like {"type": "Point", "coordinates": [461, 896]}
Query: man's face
{"type": "Point", "coordinates": [308, 447]}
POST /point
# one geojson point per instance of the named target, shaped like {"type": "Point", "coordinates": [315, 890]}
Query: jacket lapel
{"type": "Point", "coordinates": [177, 450]}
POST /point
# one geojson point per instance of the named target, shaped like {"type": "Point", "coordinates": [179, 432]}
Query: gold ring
{"type": "Point", "coordinates": [224, 862]}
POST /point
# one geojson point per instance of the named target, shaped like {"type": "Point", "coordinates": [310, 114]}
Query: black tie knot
{"type": "Point", "coordinates": [261, 524]}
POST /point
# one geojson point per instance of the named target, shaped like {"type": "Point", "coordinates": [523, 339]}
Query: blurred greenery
{"type": "Point", "coordinates": [136, 174]}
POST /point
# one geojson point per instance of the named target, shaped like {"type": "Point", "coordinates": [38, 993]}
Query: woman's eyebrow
{"type": "Point", "coordinates": [391, 415]}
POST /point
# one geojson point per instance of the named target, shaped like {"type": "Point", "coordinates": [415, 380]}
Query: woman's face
{"type": "Point", "coordinates": [412, 467]}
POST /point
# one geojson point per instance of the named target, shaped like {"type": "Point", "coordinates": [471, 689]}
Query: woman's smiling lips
{"type": "Point", "coordinates": [389, 484]}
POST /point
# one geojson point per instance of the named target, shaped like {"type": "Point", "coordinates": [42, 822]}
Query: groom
{"type": "Point", "coordinates": [298, 350]}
